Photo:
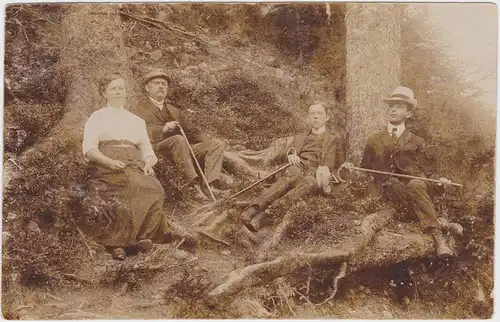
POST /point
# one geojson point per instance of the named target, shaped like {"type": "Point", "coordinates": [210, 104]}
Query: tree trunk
{"type": "Point", "coordinates": [373, 68]}
{"type": "Point", "coordinates": [91, 46]}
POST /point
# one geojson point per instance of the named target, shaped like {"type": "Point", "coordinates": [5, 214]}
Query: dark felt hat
{"type": "Point", "coordinates": [157, 74]}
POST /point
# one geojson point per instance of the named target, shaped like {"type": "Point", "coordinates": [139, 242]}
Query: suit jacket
{"type": "Point", "coordinates": [156, 119]}
{"type": "Point", "coordinates": [406, 155]}
{"type": "Point", "coordinates": [332, 152]}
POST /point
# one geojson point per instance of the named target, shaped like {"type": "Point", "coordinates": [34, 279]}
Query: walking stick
{"type": "Point", "coordinates": [198, 165]}
{"type": "Point", "coordinates": [257, 182]}
{"type": "Point", "coordinates": [390, 174]}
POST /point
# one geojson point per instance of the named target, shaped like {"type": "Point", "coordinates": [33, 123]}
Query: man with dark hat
{"type": "Point", "coordinates": [397, 150]}
{"type": "Point", "coordinates": [163, 121]}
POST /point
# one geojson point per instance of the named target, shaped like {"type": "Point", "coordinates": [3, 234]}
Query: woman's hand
{"type": "Point", "coordinates": [148, 170]}
{"type": "Point", "coordinates": [116, 164]}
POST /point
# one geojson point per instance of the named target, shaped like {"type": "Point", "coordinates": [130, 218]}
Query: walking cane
{"type": "Point", "coordinates": [197, 164]}
{"type": "Point", "coordinates": [257, 182]}
{"type": "Point", "coordinates": [390, 174]}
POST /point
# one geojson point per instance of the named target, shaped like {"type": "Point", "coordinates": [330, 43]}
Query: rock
{"type": "Point", "coordinates": [11, 216]}
{"type": "Point", "coordinates": [33, 226]}
{"type": "Point", "coordinates": [5, 236]}
{"type": "Point", "coordinates": [356, 222]}
{"type": "Point", "coordinates": [180, 254]}
{"type": "Point", "coordinates": [250, 309]}
{"type": "Point", "coordinates": [204, 67]}
{"type": "Point", "coordinates": [279, 73]}
{"type": "Point", "coordinates": [226, 252]}
{"type": "Point", "coordinates": [148, 46]}
{"type": "Point", "coordinates": [162, 15]}
{"type": "Point", "coordinates": [172, 49]}
{"type": "Point", "coordinates": [157, 54]}
{"type": "Point", "coordinates": [183, 60]}
{"type": "Point", "coordinates": [387, 315]}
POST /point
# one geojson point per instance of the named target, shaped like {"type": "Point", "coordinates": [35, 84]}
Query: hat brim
{"type": "Point", "coordinates": [412, 102]}
{"type": "Point", "coordinates": [164, 76]}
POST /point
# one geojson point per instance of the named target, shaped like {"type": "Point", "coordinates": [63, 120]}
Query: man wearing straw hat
{"type": "Point", "coordinates": [397, 150]}
{"type": "Point", "coordinates": [168, 130]}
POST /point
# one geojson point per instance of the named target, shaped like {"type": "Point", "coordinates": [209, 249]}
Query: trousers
{"type": "Point", "coordinates": [209, 154]}
{"type": "Point", "coordinates": [296, 183]}
{"type": "Point", "coordinates": [413, 194]}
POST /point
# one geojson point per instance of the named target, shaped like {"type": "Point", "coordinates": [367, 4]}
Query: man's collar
{"type": "Point", "coordinates": [156, 103]}
{"type": "Point", "coordinates": [400, 128]}
{"type": "Point", "coordinates": [321, 130]}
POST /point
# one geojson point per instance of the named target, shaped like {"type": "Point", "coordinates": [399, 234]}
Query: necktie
{"type": "Point", "coordinates": [394, 131]}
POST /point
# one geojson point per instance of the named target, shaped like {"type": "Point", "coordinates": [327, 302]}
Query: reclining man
{"type": "Point", "coordinates": [163, 121]}
{"type": "Point", "coordinates": [315, 154]}
{"type": "Point", "coordinates": [397, 150]}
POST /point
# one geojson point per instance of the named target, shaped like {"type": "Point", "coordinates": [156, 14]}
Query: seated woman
{"type": "Point", "coordinates": [121, 177]}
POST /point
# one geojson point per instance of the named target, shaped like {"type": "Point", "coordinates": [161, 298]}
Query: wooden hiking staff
{"type": "Point", "coordinates": [348, 167]}
{"type": "Point", "coordinates": [197, 164]}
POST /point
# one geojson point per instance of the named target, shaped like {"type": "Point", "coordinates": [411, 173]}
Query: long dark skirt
{"type": "Point", "coordinates": [130, 203]}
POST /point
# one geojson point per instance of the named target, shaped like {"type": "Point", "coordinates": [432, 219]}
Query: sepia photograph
{"type": "Point", "coordinates": [284, 160]}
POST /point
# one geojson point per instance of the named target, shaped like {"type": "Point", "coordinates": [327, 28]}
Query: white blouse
{"type": "Point", "coordinates": [115, 123]}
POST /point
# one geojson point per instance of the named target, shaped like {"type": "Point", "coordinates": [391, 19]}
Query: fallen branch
{"type": "Point", "coordinates": [85, 242]}
{"type": "Point", "coordinates": [79, 314]}
{"type": "Point", "coordinates": [204, 233]}
{"type": "Point", "coordinates": [161, 25]}
{"type": "Point", "coordinates": [76, 278]}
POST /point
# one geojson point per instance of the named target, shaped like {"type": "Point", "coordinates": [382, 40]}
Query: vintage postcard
{"type": "Point", "coordinates": [325, 160]}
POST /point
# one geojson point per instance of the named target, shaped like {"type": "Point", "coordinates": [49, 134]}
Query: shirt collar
{"type": "Point", "coordinates": [321, 130]}
{"type": "Point", "coordinates": [399, 129]}
{"type": "Point", "coordinates": [111, 106]}
{"type": "Point", "coordinates": [158, 104]}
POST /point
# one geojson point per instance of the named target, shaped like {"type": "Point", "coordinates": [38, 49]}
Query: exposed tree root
{"type": "Point", "coordinates": [284, 265]}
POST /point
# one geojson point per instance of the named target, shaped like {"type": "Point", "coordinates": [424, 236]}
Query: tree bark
{"type": "Point", "coordinates": [373, 68]}
{"type": "Point", "coordinates": [92, 45]}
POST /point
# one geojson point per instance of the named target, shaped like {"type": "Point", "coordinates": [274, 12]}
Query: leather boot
{"type": "Point", "coordinates": [255, 222]}
{"type": "Point", "coordinates": [441, 248]}
{"type": "Point", "coordinates": [452, 227]}
{"type": "Point", "coordinates": [248, 214]}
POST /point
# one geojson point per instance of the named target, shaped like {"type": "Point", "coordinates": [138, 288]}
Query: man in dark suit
{"type": "Point", "coordinates": [163, 121]}
{"type": "Point", "coordinates": [315, 154]}
{"type": "Point", "coordinates": [397, 150]}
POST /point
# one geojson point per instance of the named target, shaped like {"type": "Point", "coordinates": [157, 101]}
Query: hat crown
{"type": "Point", "coordinates": [403, 92]}
{"type": "Point", "coordinates": [156, 73]}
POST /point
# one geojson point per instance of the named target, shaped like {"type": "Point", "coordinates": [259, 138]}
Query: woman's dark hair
{"type": "Point", "coordinates": [106, 79]}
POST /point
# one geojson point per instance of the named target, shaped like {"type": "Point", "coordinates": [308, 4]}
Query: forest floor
{"type": "Point", "coordinates": [177, 290]}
